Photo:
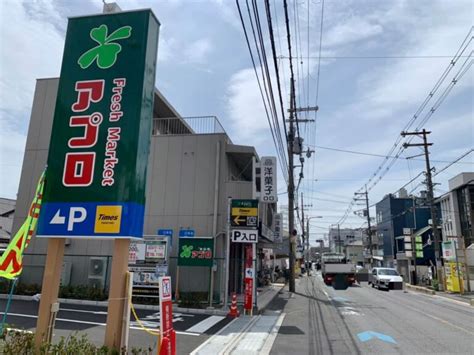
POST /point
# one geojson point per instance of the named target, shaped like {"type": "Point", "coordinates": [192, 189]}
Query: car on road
{"type": "Point", "coordinates": [385, 278]}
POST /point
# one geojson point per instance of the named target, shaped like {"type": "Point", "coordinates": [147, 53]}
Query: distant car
{"type": "Point", "coordinates": [386, 278]}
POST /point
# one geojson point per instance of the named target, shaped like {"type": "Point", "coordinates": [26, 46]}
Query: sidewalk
{"type": "Point", "coordinates": [265, 295]}
{"type": "Point", "coordinates": [467, 297]}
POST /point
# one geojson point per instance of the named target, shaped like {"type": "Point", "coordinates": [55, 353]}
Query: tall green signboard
{"type": "Point", "coordinates": [96, 176]}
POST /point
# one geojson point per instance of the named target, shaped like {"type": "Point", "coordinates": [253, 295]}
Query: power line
{"type": "Point", "coordinates": [379, 57]}
{"type": "Point", "coordinates": [378, 155]}
{"type": "Point", "coordinates": [268, 81]}
{"type": "Point", "coordinates": [277, 142]}
{"type": "Point", "coordinates": [319, 56]}
{"type": "Point", "coordinates": [371, 182]}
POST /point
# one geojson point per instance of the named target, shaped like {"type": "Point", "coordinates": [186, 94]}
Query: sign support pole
{"type": "Point", "coordinates": [227, 254]}
{"type": "Point", "coordinates": [50, 289]}
{"type": "Point", "coordinates": [254, 266]}
{"type": "Point", "coordinates": [176, 291]}
{"type": "Point", "coordinates": [117, 294]}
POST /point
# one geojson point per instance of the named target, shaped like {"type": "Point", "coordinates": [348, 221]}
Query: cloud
{"type": "Point", "coordinates": [31, 47]}
{"type": "Point", "coordinates": [12, 145]}
{"type": "Point", "coordinates": [353, 30]}
{"type": "Point", "coordinates": [198, 51]}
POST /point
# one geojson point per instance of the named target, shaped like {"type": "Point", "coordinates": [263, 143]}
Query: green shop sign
{"type": "Point", "coordinates": [101, 132]}
{"type": "Point", "coordinates": [195, 251]}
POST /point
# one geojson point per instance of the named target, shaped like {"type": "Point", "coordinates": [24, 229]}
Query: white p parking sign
{"type": "Point", "coordinates": [244, 236]}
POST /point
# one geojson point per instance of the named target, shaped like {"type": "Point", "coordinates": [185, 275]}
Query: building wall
{"type": "Point", "coordinates": [449, 211]}
{"type": "Point", "coordinates": [180, 194]}
{"type": "Point", "coordinates": [355, 253]}
{"type": "Point", "coordinates": [394, 214]}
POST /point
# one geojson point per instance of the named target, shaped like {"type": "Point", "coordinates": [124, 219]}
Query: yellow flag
{"type": "Point", "coordinates": [11, 261]}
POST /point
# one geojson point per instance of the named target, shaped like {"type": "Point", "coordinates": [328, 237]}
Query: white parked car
{"type": "Point", "coordinates": [386, 278]}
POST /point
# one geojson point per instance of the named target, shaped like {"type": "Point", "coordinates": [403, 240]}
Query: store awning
{"type": "Point", "coordinates": [421, 231]}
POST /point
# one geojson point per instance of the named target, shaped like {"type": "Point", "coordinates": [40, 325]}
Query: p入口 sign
{"type": "Point", "coordinates": [102, 126]}
{"type": "Point", "coordinates": [244, 235]}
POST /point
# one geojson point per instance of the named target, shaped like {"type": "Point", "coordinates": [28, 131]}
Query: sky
{"type": "Point", "coordinates": [379, 61]}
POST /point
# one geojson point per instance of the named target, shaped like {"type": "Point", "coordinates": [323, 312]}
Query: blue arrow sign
{"type": "Point", "coordinates": [368, 335]}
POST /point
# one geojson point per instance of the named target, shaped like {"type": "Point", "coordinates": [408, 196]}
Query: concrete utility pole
{"type": "Point", "coordinates": [303, 234]}
{"type": "Point", "coordinates": [369, 229]}
{"type": "Point", "coordinates": [291, 191]}
{"type": "Point", "coordinates": [429, 184]}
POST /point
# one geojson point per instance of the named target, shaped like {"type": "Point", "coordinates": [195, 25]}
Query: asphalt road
{"type": "Point", "coordinates": [192, 329]}
{"type": "Point", "coordinates": [364, 320]}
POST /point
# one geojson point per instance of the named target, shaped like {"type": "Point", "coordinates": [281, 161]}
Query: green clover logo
{"type": "Point", "coordinates": [187, 250]}
{"type": "Point", "coordinates": [106, 52]}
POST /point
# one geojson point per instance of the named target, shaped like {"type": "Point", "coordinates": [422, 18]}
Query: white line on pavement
{"type": "Point", "coordinates": [84, 322]}
{"type": "Point", "coordinates": [82, 311]}
{"type": "Point", "coordinates": [205, 324]}
{"type": "Point", "coordinates": [267, 346]}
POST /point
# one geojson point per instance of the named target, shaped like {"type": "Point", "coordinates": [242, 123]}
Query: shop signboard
{"type": "Point", "coordinates": [277, 228]}
{"type": "Point", "coordinates": [268, 180]}
{"type": "Point", "coordinates": [155, 251]}
{"type": "Point", "coordinates": [449, 251]}
{"type": "Point", "coordinates": [166, 317]}
{"type": "Point", "coordinates": [195, 251]}
{"type": "Point", "coordinates": [419, 246]}
{"type": "Point", "coordinates": [145, 281]}
{"type": "Point", "coordinates": [244, 213]}
{"type": "Point", "coordinates": [248, 278]}
{"type": "Point", "coordinates": [98, 153]}
{"type": "Point", "coordinates": [244, 235]}
{"type": "Point", "coordinates": [136, 252]}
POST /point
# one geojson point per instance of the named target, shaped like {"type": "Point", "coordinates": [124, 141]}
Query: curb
{"type": "Point", "coordinates": [213, 312]}
{"type": "Point", "coordinates": [420, 289]}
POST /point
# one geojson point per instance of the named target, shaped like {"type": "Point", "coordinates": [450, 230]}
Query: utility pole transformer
{"type": "Point", "coordinates": [429, 183]}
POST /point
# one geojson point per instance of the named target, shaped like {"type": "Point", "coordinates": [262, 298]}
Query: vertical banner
{"type": "Point", "coordinates": [249, 274]}
{"type": "Point", "coordinates": [277, 228]}
{"type": "Point", "coordinates": [101, 131]}
{"type": "Point", "coordinates": [166, 316]}
{"type": "Point", "coordinates": [268, 180]}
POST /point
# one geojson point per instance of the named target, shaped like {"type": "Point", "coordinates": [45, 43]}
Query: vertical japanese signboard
{"type": "Point", "coordinates": [268, 176]}
{"type": "Point", "coordinates": [277, 227]}
{"type": "Point", "coordinates": [101, 132]}
{"type": "Point", "coordinates": [248, 279]}
{"type": "Point", "coordinates": [166, 317]}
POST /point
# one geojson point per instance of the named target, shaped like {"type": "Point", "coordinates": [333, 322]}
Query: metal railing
{"type": "Point", "coordinates": [186, 125]}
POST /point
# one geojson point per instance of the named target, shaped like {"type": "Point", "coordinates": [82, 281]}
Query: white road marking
{"type": "Point", "coordinates": [82, 311]}
{"type": "Point", "coordinates": [205, 324]}
{"type": "Point", "coordinates": [267, 346]}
